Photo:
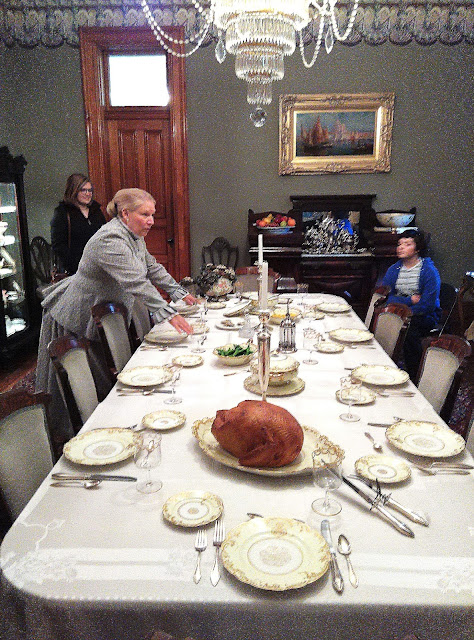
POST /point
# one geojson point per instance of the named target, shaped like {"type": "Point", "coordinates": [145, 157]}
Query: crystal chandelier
{"type": "Point", "coordinates": [259, 33]}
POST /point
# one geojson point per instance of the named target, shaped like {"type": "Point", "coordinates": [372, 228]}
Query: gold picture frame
{"type": "Point", "coordinates": [335, 133]}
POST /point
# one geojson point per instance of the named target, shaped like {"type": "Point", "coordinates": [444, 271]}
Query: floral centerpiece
{"type": "Point", "coordinates": [214, 281]}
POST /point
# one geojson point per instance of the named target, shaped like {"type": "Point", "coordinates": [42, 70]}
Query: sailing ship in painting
{"type": "Point", "coordinates": [328, 134]}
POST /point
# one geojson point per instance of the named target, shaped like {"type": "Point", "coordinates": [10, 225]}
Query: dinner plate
{"type": "Point", "coordinates": [216, 305]}
{"type": "Point", "coordinates": [275, 554]}
{"type": "Point", "coordinates": [351, 335]}
{"type": "Point", "coordinates": [425, 439]}
{"type": "Point", "coordinates": [192, 508]}
{"type": "Point", "coordinates": [165, 337]}
{"type": "Point", "coordinates": [163, 420]}
{"type": "Point", "coordinates": [385, 469]}
{"type": "Point", "coordinates": [100, 446]}
{"type": "Point", "coordinates": [328, 346]}
{"type": "Point", "coordinates": [293, 386]}
{"type": "Point", "coordinates": [333, 307]}
{"type": "Point", "coordinates": [184, 309]}
{"type": "Point", "coordinates": [379, 374]}
{"type": "Point", "coordinates": [188, 360]}
{"type": "Point", "coordinates": [302, 465]}
{"type": "Point", "coordinates": [237, 309]}
{"type": "Point", "coordinates": [230, 325]}
{"type": "Point", "coordinates": [314, 314]}
{"type": "Point", "coordinates": [366, 396]}
{"type": "Point", "coordinates": [144, 376]}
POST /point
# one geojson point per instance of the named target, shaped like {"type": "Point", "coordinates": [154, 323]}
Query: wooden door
{"type": "Point", "coordinates": [143, 147]}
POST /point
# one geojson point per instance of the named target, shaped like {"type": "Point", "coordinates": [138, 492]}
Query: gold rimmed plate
{"type": "Point", "coordinates": [100, 446]}
{"type": "Point", "coordinates": [165, 337]}
{"type": "Point", "coordinates": [351, 335]}
{"type": "Point", "coordinates": [216, 305]}
{"type": "Point", "coordinates": [163, 420]}
{"type": "Point", "coordinates": [238, 309]}
{"type": "Point", "coordinates": [302, 465]}
{"type": "Point", "coordinates": [230, 325]}
{"type": "Point", "coordinates": [333, 307]}
{"type": "Point", "coordinates": [192, 508]}
{"type": "Point", "coordinates": [425, 439]}
{"type": "Point", "coordinates": [379, 374]}
{"type": "Point", "coordinates": [290, 388]}
{"type": "Point", "coordinates": [357, 396]}
{"type": "Point", "coordinates": [328, 346]}
{"type": "Point", "coordinates": [145, 376]}
{"type": "Point", "coordinates": [385, 469]}
{"type": "Point", "coordinates": [188, 360]}
{"type": "Point", "coordinates": [275, 554]}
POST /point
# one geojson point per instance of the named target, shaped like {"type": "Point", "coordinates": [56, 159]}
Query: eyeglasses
{"type": "Point", "coordinates": [86, 190]}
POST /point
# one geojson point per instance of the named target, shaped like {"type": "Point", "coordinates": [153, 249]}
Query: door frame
{"type": "Point", "coordinates": [94, 43]}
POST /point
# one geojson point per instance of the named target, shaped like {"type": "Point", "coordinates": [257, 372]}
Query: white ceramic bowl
{"type": "Point", "coordinates": [282, 369]}
{"type": "Point", "coordinates": [234, 361]}
{"type": "Point", "coordinates": [395, 220]}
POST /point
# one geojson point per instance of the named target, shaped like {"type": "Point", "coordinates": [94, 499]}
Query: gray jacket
{"type": "Point", "coordinates": [115, 266]}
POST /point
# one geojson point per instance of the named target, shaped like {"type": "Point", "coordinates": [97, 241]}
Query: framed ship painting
{"type": "Point", "coordinates": [335, 133]}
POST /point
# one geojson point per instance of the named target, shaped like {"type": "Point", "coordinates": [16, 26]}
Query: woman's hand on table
{"type": "Point", "coordinates": [180, 324]}
{"type": "Point", "coordinates": [190, 299]}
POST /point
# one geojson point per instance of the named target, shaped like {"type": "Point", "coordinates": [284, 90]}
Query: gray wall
{"type": "Point", "coordinates": [233, 166]}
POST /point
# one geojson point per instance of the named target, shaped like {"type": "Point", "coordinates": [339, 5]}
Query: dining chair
{"type": "Point", "coordinates": [379, 297]}
{"type": "Point", "coordinates": [390, 326]}
{"type": "Point", "coordinates": [448, 296]}
{"type": "Point", "coordinates": [26, 455]}
{"type": "Point", "coordinates": [70, 357]}
{"type": "Point", "coordinates": [41, 263]}
{"type": "Point", "coordinates": [111, 319]}
{"type": "Point", "coordinates": [220, 251]}
{"type": "Point", "coordinates": [286, 284]}
{"type": "Point", "coordinates": [466, 288]}
{"type": "Point", "coordinates": [248, 276]}
{"type": "Point", "coordinates": [141, 322]}
{"type": "Point", "coordinates": [441, 370]}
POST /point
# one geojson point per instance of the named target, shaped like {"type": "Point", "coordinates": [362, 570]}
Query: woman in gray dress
{"type": "Point", "coordinates": [115, 266]}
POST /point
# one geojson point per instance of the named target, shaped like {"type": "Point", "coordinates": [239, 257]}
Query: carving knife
{"type": "Point", "coordinates": [337, 581]}
{"type": "Point", "coordinates": [92, 476]}
{"type": "Point", "coordinates": [376, 506]}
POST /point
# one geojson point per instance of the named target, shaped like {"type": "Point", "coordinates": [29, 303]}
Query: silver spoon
{"type": "Point", "coordinates": [86, 484]}
{"type": "Point", "coordinates": [377, 446]}
{"type": "Point", "coordinates": [344, 548]}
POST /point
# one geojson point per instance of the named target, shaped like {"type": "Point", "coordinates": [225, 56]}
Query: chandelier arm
{"type": "Point", "coordinates": [349, 26]}
{"type": "Point", "coordinates": [167, 37]}
{"type": "Point", "coordinates": [307, 64]}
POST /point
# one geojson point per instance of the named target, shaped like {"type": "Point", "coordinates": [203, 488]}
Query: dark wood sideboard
{"type": "Point", "coordinates": [352, 276]}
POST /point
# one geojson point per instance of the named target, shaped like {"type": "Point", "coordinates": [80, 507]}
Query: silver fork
{"type": "Point", "coordinates": [219, 535]}
{"type": "Point", "coordinates": [200, 545]}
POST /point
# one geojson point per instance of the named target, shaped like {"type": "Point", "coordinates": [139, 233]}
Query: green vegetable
{"type": "Point", "coordinates": [235, 350]}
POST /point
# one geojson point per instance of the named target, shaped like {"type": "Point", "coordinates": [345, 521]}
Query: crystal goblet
{"type": "Point", "coordinates": [350, 393]}
{"type": "Point", "coordinates": [327, 475]}
{"type": "Point", "coordinates": [310, 340]}
{"type": "Point", "coordinates": [176, 375]}
{"type": "Point", "coordinates": [147, 456]}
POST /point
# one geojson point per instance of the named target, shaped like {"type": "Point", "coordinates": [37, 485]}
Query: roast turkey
{"type": "Point", "coordinates": [259, 434]}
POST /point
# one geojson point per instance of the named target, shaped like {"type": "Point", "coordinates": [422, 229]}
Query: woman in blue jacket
{"type": "Point", "coordinates": [414, 281]}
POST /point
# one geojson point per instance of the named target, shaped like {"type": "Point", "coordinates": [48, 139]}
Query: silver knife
{"type": "Point", "coordinates": [92, 476]}
{"type": "Point", "coordinates": [337, 581]}
{"type": "Point", "coordinates": [414, 516]}
{"type": "Point", "coordinates": [137, 392]}
{"type": "Point", "coordinates": [380, 424]}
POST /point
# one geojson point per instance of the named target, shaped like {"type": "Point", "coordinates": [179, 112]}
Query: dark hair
{"type": "Point", "coordinates": [73, 186]}
{"type": "Point", "coordinates": [418, 238]}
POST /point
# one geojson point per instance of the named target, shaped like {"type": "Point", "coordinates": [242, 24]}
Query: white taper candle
{"type": "Point", "coordinates": [264, 285]}
{"type": "Point", "coordinates": [260, 248]}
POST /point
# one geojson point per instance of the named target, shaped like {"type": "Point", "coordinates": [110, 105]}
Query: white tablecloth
{"type": "Point", "coordinates": [84, 565]}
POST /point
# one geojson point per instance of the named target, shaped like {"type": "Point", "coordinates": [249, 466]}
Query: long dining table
{"type": "Point", "coordinates": [104, 564]}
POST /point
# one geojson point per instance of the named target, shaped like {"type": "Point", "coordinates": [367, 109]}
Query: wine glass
{"type": "Point", "coordinates": [199, 338]}
{"type": "Point", "coordinates": [239, 289]}
{"type": "Point", "coordinates": [310, 339]}
{"type": "Point", "coordinates": [350, 393]}
{"type": "Point", "coordinates": [327, 474]}
{"type": "Point", "coordinates": [148, 456]}
{"type": "Point", "coordinates": [176, 375]}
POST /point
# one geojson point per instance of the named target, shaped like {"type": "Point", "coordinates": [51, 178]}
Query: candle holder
{"type": "Point", "coordinates": [263, 342]}
{"type": "Point", "coordinates": [287, 333]}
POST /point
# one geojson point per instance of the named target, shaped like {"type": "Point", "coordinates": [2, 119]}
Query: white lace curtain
{"type": "Point", "coordinates": [52, 23]}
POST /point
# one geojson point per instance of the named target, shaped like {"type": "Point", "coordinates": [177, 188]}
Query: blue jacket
{"type": "Point", "coordinates": [430, 283]}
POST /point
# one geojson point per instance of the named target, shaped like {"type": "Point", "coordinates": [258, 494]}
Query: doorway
{"type": "Point", "coordinates": [139, 145]}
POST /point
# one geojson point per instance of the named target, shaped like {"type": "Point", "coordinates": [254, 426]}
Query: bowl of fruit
{"type": "Point", "coordinates": [276, 223]}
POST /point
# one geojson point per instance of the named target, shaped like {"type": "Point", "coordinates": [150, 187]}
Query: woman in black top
{"type": "Point", "coordinates": [75, 220]}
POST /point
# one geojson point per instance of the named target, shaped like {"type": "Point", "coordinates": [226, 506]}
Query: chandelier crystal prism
{"type": "Point", "coordinates": [259, 33]}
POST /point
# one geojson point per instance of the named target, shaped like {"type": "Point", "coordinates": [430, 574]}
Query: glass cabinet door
{"type": "Point", "coordinates": [12, 271]}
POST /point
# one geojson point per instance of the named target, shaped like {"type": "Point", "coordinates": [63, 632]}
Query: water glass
{"type": "Point", "coordinates": [174, 399]}
{"type": "Point", "coordinates": [147, 456]}
{"type": "Point", "coordinates": [328, 476]}
{"type": "Point", "coordinates": [238, 289]}
{"type": "Point", "coordinates": [349, 393]}
{"type": "Point", "coordinates": [310, 340]}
